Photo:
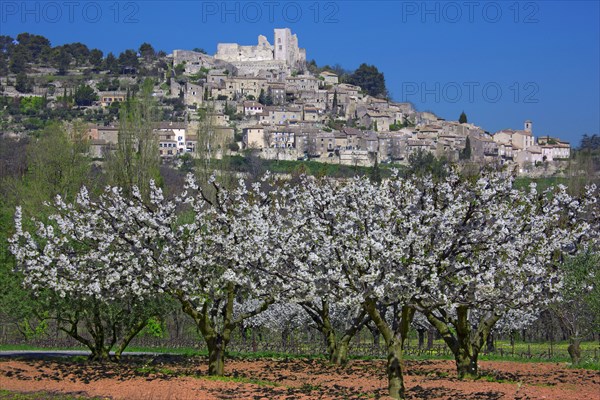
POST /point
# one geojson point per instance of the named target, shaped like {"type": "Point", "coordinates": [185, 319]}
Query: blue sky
{"type": "Point", "coordinates": [501, 62]}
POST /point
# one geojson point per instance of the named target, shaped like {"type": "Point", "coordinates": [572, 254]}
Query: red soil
{"type": "Point", "coordinates": [167, 377]}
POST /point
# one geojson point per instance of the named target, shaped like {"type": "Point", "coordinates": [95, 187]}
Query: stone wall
{"type": "Point", "coordinates": [232, 52]}
{"type": "Point", "coordinates": [195, 61]}
{"type": "Point", "coordinates": [255, 67]}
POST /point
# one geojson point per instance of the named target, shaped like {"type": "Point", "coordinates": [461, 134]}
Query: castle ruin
{"type": "Point", "coordinates": [284, 54]}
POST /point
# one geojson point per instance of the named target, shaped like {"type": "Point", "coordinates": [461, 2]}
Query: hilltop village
{"type": "Point", "coordinates": [266, 97]}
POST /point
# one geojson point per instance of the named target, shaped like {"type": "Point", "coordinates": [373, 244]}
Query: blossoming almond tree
{"type": "Point", "coordinates": [207, 251]}
{"type": "Point", "coordinates": [82, 270]}
{"type": "Point", "coordinates": [242, 233]}
{"type": "Point", "coordinates": [454, 249]}
{"type": "Point", "coordinates": [308, 268]}
{"type": "Point", "coordinates": [578, 309]}
{"type": "Point", "coordinates": [350, 249]}
{"type": "Point", "coordinates": [337, 323]}
{"type": "Point", "coordinates": [280, 318]}
{"type": "Point", "coordinates": [493, 249]}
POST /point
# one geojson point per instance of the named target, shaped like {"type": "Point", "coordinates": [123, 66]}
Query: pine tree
{"type": "Point", "coordinates": [23, 84]}
{"type": "Point", "coordinates": [465, 154]}
{"type": "Point", "coordinates": [463, 118]}
{"type": "Point", "coordinates": [375, 173]}
{"type": "Point", "coordinates": [335, 103]}
{"type": "Point", "coordinates": [268, 99]}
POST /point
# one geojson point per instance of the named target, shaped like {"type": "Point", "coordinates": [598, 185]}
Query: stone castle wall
{"type": "Point", "coordinates": [254, 67]}
{"type": "Point", "coordinates": [233, 52]}
{"type": "Point", "coordinates": [284, 54]}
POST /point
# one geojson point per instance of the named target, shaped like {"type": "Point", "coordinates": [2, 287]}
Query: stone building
{"type": "Point", "coordinates": [483, 147]}
{"type": "Point", "coordinates": [254, 137]}
{"type": "Point", "coordinates": [167, 144]}
{"type": "Point", "coordinates": [277, 115]}
{"type": "Point", "coordinates": [519, 139]}
{"type": "Point", "coordinates": [193, 94]}
{"type": "Point", "coordinates": [554, 148]}
{"type": "Point", "coordinates": [172, 137]}
{"type": "Point", "coordinates": [277, 92]}
{"type": "Point", "coordinates": [107, 98]}
{"type": "Point", "coordinates": [103, 139]}
{"type": "Point", "coordinates": [378, 120]}
{"type": "Point", "coordinates": [301, 83]}
{"type": "Point", "coordinates": [329, 78]}
{"type": "Point", "coordinates": [281, 136]}
{"type": "Point", "coordinates": [252, 108]}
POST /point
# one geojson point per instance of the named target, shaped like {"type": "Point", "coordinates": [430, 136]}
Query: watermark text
{"type": "Point", "coordinates": [453, 12]}
{"type": "Point", "coordinates": [471, 92]}
{"type": "Point", "coordinates": [125, 12]}
{"type": "Point", "coordinates": [271, 11]}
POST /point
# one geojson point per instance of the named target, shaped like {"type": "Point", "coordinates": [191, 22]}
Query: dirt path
{"type": "Point", "coordinates": [185, 378]}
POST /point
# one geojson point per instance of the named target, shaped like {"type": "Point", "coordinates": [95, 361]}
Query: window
{"type": "Point", "coordinates": [280, 47]}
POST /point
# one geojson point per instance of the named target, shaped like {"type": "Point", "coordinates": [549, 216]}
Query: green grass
{"type": "Point", "coordinates": [541, 183]}
{"type": "Point", "coordinates": [66, 78]}
{"type": "Point", "coordinates": [9, 395]}
{"type": "Point", "coordinates": [183, 351]}
{"type": "Point", "coordinates": [520, 354]}
{"type": "Point", "coordinates": [239, 163]}
{"type": "Point", "coordinates": [490, 378]}
{"type": "Point", "coordinates": [155, 370]}
{"type": "Point", "coordinates": [587, 364]}
{"type": "Point", "coordinates": [238, 379]}
{"type": "Point", "coordinates": [559, 349]}
{"type": "Point", "coordinates": [16, 347]}
{"type": "Point", "coordinates": [307, 387]}
{"type": "Point", "coordinates": [275, 355]}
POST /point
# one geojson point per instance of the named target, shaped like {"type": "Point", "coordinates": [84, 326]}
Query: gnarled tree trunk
{"type": "Point", "coordinates": [217, 345]}
{"type": "Point", "coordinates": [337, 347]}
{"type": "Point", "coordinates": [217, 335]}
{"type": "Point", "coordinates": [574, 350]}
{"type": "Point", "coordinates": [394, 345]}
{"type": "Point", "coordinates": [464, 343]}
